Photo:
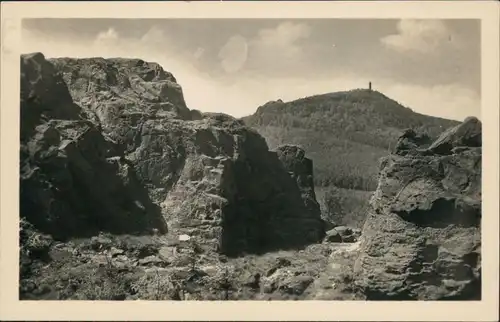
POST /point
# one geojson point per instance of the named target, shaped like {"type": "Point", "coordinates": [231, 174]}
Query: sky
{"type": "Point", "coordinates": [236, 65]}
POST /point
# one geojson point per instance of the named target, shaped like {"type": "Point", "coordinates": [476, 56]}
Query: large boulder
{"type": "Point", "coordinates": [422, 238]}
{"type": "Point", "coordinates": [110, 145]}
{"type": "Point", "coordinates": [467, 134]}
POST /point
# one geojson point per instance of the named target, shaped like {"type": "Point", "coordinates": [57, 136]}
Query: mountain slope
{"type": "Point", "coordinates": [345, 133]}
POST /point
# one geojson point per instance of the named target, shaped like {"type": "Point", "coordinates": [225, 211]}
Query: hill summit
{"type": "Point", "coordinates": [345, 133]}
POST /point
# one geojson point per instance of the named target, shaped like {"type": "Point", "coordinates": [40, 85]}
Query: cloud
{"type": "Point", "coordinates": [279, 47]}
{"type": "Point", "coordinates": [453, 101]}
{"type": "Point", "coordinates": [198, 54]}
{"type": "Point", "coordinates": [285, 35]}
{"type": "Point", "coordinates": [233, 54]}
{"type": "Point", "coordinates": [108, 37]}
{"type": "Point", "coordinates": [422, 37]}
{"type": "Point", "coordinates": [155, 37]}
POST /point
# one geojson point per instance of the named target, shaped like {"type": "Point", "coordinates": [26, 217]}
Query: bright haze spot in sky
{"type": "Point", "coordinates": [234, 66]}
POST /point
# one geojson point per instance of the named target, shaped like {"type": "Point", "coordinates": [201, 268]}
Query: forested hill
{"type": "Point", "coordinates": [345, 133]}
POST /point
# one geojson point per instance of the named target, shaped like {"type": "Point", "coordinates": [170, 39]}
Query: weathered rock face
{"type": "Point", "coordinates": [300, 168]}
{"type": "Point", "coordinates": [71, 184]}
{"type": "Point", "coordinates": [111, 89]}
{"type": "Point", "coordinates": [468, 134]}
{"type": "Point", "coordinates": [109, 144]}
{"type": "Point", "coordinates": [422, 239]}
{"type": "Point", "coordinates": [409, 141]}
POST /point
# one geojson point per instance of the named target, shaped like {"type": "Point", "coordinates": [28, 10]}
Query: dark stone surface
{"type": "Point", "coordinates": [422, 239]}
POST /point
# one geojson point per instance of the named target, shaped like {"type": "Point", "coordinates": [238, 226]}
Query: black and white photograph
{"type": "Point", "coordinates": [250, 159]}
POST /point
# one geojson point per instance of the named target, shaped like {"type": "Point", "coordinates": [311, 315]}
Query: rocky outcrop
{"type": "Point", "coordinates": [109, 145]}
{"type": "Point", "coordinates": [300, 169]}
{"type": "Point", "coordinates": [422, 238]}
{"type": "Point", "coordinates": [411, 140]}
{"type": "Point", "coordinates": [72, 182]}
{"type": "Point", "coordinates": [468, 135]}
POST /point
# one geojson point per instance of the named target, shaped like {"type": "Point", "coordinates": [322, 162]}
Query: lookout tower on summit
{"type": "Point", "coordinates": [369, 86]}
